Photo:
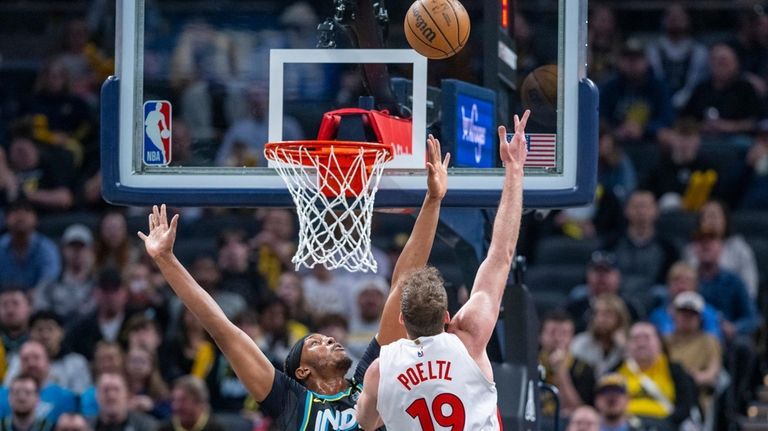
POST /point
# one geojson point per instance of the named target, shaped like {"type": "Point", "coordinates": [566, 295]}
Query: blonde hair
{"type": "Point", "coordinates": [615, 304]}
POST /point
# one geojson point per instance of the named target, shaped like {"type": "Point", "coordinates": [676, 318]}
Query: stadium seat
{"type": "Point", "coordinates": [550, 284]}
{"type": "Point", "coordinates": [559, 250]}
{"type": "Point", "coordinates": [750, 223]}
{"type": "Point", "coordinates": [53, 225]}
{"type": "Point", "coordinates": [677, 227]}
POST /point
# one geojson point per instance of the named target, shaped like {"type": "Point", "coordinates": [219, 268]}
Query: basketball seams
{"type": "Point", "coordinates": [458, 24]}
{"type": "Point", "coordinates": [438, 27]}
{"type": "Point", "coordinates": [425, 43]}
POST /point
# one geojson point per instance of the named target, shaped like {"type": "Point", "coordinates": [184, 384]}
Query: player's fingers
{"type": "Point", "coordinates": [524, 121]}
{"type": "Point", "coordinates": [446, 160]}
{"type": "Point", "coordinates": [142, 236]}
{"type": "Point", "coordinates": [151, 223]}
{"type": "Point", "coordinates": [430, 168]}
{"type": "Point", "coordinates": [163, 215]}
{"type": "Point", "coordinates": [517, 121]}
{"type": "Point", "coordinates": [174, 223]}
{"type": "Point", "coordinates": [502, 134]}
{"type": "Point", "coordinates": [156, 214]}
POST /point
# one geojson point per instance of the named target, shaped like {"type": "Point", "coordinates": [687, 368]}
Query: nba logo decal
{"type": "Point", "coordinates": [157, 133]}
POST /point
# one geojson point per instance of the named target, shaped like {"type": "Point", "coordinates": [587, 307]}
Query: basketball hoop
{"type": "Point", "coordinates": [333, 184]}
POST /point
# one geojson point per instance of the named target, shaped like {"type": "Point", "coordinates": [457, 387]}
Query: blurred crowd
{"type": "Point", "coordinates": [652, 299]}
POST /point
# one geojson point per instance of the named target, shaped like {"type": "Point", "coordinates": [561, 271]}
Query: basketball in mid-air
{"type": "Point", "coordinates": [538, 93]}
{"type": "Point", "coordinates": [437, 29]}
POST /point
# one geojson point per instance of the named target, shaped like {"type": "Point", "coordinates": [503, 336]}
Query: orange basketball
{"type": "Point", "coordinates": [437, 29]}
{"type": "Point", "coordinates": [539, 89]}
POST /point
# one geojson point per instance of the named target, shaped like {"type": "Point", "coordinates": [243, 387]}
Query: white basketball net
{"type": "Point", "coordinates": [334, 231]}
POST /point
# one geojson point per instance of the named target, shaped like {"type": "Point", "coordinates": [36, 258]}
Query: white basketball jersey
{"type": "Point", "coordinates": [432, 384]}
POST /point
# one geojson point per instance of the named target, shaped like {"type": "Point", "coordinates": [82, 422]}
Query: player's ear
{"type": "Point", "coordinates": [447, 317]}
{"type": "Point", "coordinates": [399, 318]}
{"type": "Point", "coordinates": [302, 373]}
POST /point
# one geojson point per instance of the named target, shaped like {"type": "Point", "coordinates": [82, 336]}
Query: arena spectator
{"type": "Point", "coordinates": [615, 171]}
{"type": "Point", "coordinates": [726, 103]}
{"type": "Point", "coordinates": [640, 252]}
{"type": "Point", "coordinates": [698, 352]}
{"type": "Point", "coordinates": [683, 278]}
{"type": "Point", "coordinates": [64, 116]}
{"type": "Point", "coordinates": [142, 332]}
{"type": "Point", "coordinates": [604, 43]}
{"type": "Point", "coordinates": [238, 271]}
{"type": "Point", "coordinates": [149, 392]}
{"type": "Point", "coordinates": [107, 358]}
{"type": "Point", "coordinates": [670, 179]}
{"type": "Point", "coordinates": [737, 256]}
{"type": "Point", "coordinates": [364, 316]}
{"type": "Point", "coordinates": [186, 152]}
{"type": "Point", "coordinates": [113, 246]}
{"type": "Point", "coordinates": [39, 175]}
{"type": "Point", "coordinates": [676, 57]}
{"type": "Point", "coordinates": [756, 182]}
{"type": "Point", "coordinates": [114, 412]}
{"type": "Point", "coordinates": [87, 67]}
{"type": "Point", "coordinates": [584, 418]}
{"type": "Point", "coordinates": [207, 273]}
{"type": "Point", "coordinates": [611, 402]}
{"type": "Point", "coordinates": [290, 290]}
{"type": "Point", "coordinates": [72, 422]}
{"type": "Point", "coordinates": [658, 388]}
{"type": "Point", "coordinates": [243, 144]}
{"type": "Point", "coordinates": [107, 321]}
{"type": "Point", "coordinates": [54, 400]}
{"type": "Point", "coordinates": [273, 245]}
{"type": "Point", "coordinates": [72, 294]}
{"type": "Point", "coordinates": [724, 289]}
{"type": "Point", "coordinates": [191, 408]}
{"type": "Point", "coordinates": [326, 291]}
{"type": "Point", "coordinates": [67, 369]}
{"type": "Point", "coordinates": [144, 296]}
{"type": "Point", "coordinates": [603, 276]}
{"type": "Point", "coordinates": [29, 259]}
{"type": "Point", "coordinates": [278, 335]}
{"type": "Point", "coordinates": [574, 379]}
{"type": "Point", "coordinates": [635, 103]}
{"type": "Point", "coordinates": [190, 349]}
{"type": "Point", "coordinates": [751, 46]}
{"type": "Point", "coordinates": [23, 399]}
{"type": "Point", "coordinates": [15, 311]}
{"type": "Point", "coordinates": [601, 346]}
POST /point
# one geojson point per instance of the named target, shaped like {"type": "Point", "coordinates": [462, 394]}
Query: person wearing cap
{"type": "Point", "coordinates": [658, 388]}
{"type": "Point", "coordinates": [634, 102]}
{"type": "Point", "coordinates": [611, 402]}
{"type": "Point", "coordinates": [698, 352]}
{"type": "Point", "coordinates": [28, 259]}
{"type": "Point", "coordinates": [726, 103]}
{"type": "Point", "coordinates": [724, 289]}
{"type": "Point", "coordinates": [311, 388]}
{"type": "Point", "coordinates": [69, 370]}
{"type": "Point", "coordinates": [366, 312]}
{"type": "Point", "coordinates": [603, 276]}
{"type": "Point", "coordinates": [72, 294]}
{"type": "Point", "coordinates": [682, 278]}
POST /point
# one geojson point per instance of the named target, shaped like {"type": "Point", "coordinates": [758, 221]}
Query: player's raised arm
{"type": "Point", "coordinates": [417, 249]}
{"type": "Point", "coordinates": [475, 321]}
{"type": "Point", "coordinates": [248, 361]}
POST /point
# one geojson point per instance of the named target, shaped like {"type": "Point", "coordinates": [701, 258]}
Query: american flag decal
{"type": "Point", "coordinates": [542, 150]}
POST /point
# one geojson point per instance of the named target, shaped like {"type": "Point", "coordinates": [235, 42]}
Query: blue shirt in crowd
{"type": "Point", "coordinates": [40, 265]}
{"type": "Point", "coordinates": [728, 294]}
{"type": "Point", "coordinates": [663, 321]}
{"type": "Point", "coordinates": [54, 401]}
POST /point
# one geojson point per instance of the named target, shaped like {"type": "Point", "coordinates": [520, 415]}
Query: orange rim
{"type": "Point", "coordinates": [345, 151]}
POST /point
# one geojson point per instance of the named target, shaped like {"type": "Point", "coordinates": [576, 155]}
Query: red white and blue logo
{"type": "Point", "coordinates": [157, 133]}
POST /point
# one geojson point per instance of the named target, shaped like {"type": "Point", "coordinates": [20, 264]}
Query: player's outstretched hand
{"type": "Point", "coordinates": [159, 242]}
{"type": "Point", "coordinates": [437, 175]}
{"type": "Point", "coordinates": [514, 152]}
